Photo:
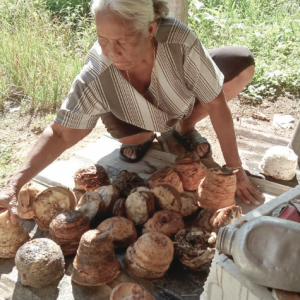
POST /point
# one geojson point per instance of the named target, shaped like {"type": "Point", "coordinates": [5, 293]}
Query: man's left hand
{"type": "Point", "coordinates": [245, 189]}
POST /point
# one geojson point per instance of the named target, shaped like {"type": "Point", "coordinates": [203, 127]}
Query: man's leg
{"type": "Point", "coordinates": [125, 133]}
{"type": "Point", "coordinates": [231, 90]}
{"type": "Point", "coordinates": [237, 65]}
{"type": "Point", "coordinates": [136, 139]}
{"type": "Point", "coordinates": [236, 79]}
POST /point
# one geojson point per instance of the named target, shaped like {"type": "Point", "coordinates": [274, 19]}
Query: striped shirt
{"type": "Point", "coordinates": [184, 72]}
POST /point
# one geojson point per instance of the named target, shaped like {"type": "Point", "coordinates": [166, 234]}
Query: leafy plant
{"type": "Point", "coordinates": [66, 8]}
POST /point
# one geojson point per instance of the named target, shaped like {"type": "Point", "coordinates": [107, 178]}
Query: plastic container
{"type": "Point", "coordinates": [266, 250]}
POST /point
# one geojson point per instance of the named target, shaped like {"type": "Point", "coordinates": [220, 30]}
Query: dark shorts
{"type": "Point", "coordinates": [230, 60]}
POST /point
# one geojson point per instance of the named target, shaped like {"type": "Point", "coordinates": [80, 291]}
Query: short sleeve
{"type": "Point", "coordinates": [84, 104]}
{"type": "Point", "coordinates": [202, 76]}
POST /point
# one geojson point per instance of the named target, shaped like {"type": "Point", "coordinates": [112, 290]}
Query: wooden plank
{"type": "Point", "coordinates": [271, 190]}
{"type": "Point", "coordinates": [295, 141]}
{"type": "Point", "coordinates": [105, 152]}
{"type": "Point", "coordinates": [179, 9]}
{"type": "Point", "coordinates": [267, 209]}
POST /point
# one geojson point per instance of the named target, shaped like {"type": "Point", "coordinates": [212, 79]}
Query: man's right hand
{"type": "Point", "coordinates": [8, 200]}
{"type": "Point", "coordinates": [54, 140]}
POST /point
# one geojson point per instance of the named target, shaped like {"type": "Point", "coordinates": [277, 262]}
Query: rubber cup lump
{"type": "Point", "coordinates": [191, 171]}
{"type": "Point", "coordinates": [189, 204]}
{"type": "Point", "coordinates": [217, 188]}
{"type": "Point", "coordinates": [150, 256]}
{"type": "Point", "coordinates": [130, 291]}
{"type": "Point", "coordinates": [27, 195]}
{"type": "Point", "coordinates": [212, 219]}
{"type": "Point", "coordinates": [167, 222]}
{"type": "Point", "coordinates": [167, 197]}
{"type": "Point", "coordinates": [279, 162]}
{"type": "Point", "coordinates": [121, 231]}
{"type": "Point", "coordinates": [95, 263]}
{"type": "Point", "coordinates": [91, 178]}
{"type": "Point", "coordinates": [12, 237]}
{"type": "Point", "coordinates": [89, 204]}
{"type": "Point", "coordinates": [39, 262]}
{"type": "Point", "coordinates": [67, 228]}
{"type": "Point", "coordinates": [195, 247]}
{"type": "Point", "coordinates": [50, 202]}
{"type": "Point", "coordinates": [166, 176]}
{"type": "Point", "coordinates": [126, 181]}
{"type": "Point", "coordinates": [139, 207]}
{"type": "Point", "coordinates": [109, 195]}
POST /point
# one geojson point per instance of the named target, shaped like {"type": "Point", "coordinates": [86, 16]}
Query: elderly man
{"type": "Point", "coordinates": [146, 73]}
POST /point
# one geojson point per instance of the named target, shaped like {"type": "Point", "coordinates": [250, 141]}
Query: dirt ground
{"type": "Point", "coordinates": [20, 131]}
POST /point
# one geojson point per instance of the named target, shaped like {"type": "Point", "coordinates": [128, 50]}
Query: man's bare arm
{"type": "Point", "coordinates": [54, 141]}
{"type": "Point", "coordinates": [222, 122]}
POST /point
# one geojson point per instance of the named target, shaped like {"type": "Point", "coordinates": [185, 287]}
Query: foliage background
{"type": "Point", "coordinates": [43, 44]}
{"type": "Point", "coordinates": [269, 28]}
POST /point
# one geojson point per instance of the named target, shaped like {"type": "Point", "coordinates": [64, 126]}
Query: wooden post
{"type": "Point", "coordinates": [179, 9]}
{"type": "Point", "coordinates": [295, 141]}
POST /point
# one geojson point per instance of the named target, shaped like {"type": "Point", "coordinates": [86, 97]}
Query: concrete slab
{"type": "Point", "coordinates": [254, 138]}
{"type": "Point", "coordinates": [105, 152]}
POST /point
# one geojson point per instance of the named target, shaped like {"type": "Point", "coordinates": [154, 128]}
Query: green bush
{"type": "Point", "coordinates": [65, 8]}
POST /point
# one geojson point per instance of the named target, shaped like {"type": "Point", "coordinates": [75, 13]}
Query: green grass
{"type": "Point", "coordinates": [43, 44]}
{"type": "Point", "coordinates": [40, 53]}
{"type": "Point", "coordinates": [269, 28]}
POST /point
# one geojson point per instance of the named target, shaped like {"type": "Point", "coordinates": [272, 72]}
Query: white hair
{"type": "Point", "coordinates": [139, 12]}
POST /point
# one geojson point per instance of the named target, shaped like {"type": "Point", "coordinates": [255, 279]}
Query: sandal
{"type": "Point", "coordinates": [139, 150]}
{"type": "Point", "coordinates": [191, 140]}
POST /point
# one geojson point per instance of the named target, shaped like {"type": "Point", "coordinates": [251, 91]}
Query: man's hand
{"type": "Point", "coordinates": [8, 200]}
{"type": "Point", "coordinates": [245, 189]}
{"type": "Point", "coordinates": [221, 120]}
{"type": "Point", "coordinates": [54, 140]}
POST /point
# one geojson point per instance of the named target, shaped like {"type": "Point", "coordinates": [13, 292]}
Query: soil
{"type": "Point", "coordinates": [22, 130]}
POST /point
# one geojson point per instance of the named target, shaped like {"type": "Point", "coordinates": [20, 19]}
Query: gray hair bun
{"type": "Point", "coordinates": [161, 8]}
{"type": "Point", "coordinates": [139, 12]}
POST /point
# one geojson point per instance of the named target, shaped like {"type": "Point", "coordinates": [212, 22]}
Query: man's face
{"type": "Point", "coordinates": [120, 42]}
